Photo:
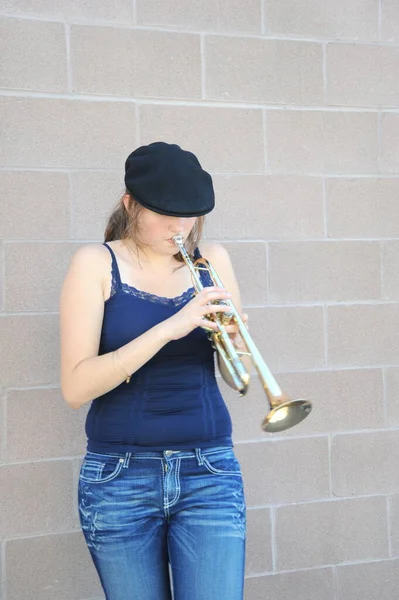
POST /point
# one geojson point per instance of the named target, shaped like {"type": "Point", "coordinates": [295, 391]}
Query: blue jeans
{"type": "Point", "coordinates": [147, 516]}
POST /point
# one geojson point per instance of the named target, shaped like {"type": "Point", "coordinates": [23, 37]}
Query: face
{"type": "Point", "coordinates": [156, 231]}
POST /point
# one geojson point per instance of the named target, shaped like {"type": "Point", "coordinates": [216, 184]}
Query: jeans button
{"type": "Point", "coordinates": [168, 453]}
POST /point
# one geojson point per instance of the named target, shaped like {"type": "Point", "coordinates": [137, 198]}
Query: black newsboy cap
{"type": "Point", "coordinates": [168, 180]}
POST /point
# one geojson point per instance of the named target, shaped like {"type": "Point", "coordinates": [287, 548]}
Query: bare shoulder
{"type": "Point", "coordinates": [91, 256]}
{"type": "Point", "coordinates": [214, 251]}
{"type": "Point", "coordinates": [91, 261]}
{"type": "Point", "coordinates": [89, 267]}
{"type": "Point", "coordinates": [219, 257]}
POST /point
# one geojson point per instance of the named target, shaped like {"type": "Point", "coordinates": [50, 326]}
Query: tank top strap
{"type": "Point", "coordinates": [205, 277]}
{"type": "Point", "coordinates": [116, 282]}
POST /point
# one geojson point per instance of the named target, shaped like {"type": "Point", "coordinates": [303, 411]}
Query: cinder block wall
{"type": "Point", "coordinates": [293, 107]}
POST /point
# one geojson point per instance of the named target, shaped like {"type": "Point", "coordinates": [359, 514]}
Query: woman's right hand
{"type": "Point", "coordinates": [193, 314]}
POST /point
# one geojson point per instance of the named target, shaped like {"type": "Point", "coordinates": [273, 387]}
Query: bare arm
{"type": "Point", "coordinates": [84, 374]}
{"type": "Point", "coordinates": [220, 260]}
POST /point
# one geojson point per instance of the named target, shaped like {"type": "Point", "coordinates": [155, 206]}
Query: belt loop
{"type": "Point", "coordinates": [198, 454]}
{"type": "Point", "coordinates": [127, 460]}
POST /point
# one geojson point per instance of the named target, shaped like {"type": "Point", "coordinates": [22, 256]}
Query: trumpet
{"type": "Point", "coordinates": [283, 411]}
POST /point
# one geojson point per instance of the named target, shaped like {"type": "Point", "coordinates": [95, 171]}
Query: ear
{"type": "Point", "coordinates": [126, 202]}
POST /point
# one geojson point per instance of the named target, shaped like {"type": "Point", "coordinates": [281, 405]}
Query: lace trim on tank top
{"type": "Point", "coordinates": [176, 301]}
{"type": "Point", "coordinates": [117, 284]}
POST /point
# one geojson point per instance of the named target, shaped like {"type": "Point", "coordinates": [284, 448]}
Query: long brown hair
{"type": "Point", "coordinates": [125, 224]}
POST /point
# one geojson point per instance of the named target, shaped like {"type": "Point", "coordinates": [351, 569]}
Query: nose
{"type": "Point", "coordinates": [178, 224]}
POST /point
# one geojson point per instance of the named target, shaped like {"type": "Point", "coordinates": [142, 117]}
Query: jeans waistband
{"type": "Point", "coordinates": [164, 454]}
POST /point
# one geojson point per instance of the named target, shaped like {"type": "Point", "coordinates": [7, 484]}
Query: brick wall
{"type": "Point", "coordinates": [293, 107]}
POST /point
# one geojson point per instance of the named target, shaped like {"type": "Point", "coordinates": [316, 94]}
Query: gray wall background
{"type": "Point", "coordinates": [293, 107]}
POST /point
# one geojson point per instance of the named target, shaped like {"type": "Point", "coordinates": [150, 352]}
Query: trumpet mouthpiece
{"type": "Point", "coordinates": [178, 238]}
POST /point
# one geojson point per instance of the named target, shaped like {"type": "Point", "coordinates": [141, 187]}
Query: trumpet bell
{"type": "Point", "coordinates": [286, 415]}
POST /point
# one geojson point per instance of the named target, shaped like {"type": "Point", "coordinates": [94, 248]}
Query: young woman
{"type": "Point", "coordinates": [161, 497]}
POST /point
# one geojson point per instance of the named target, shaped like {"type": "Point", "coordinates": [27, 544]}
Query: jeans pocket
{"type": "Point", "coordinates": [101, 469]}
{"type": "Point", "coordinates": [224, 463]}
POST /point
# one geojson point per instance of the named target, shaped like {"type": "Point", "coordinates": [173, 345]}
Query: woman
{"type": "Point", "coordinates": [161, 497]}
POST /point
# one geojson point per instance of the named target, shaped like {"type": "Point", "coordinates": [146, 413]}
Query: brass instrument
{"type": "Point", "coordinates": [284, 412]}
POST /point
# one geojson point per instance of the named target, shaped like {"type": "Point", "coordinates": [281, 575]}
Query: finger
{"type": "Point", "coordinates": [205, 323]}
{"type": "Point", "coordinates": [215, 308]}
{"type": "Point", "coordinates": [212, 289]}
{"type": "Point", "coordinates": [231, 329]}
{"type": "Point", "coordinates": [240, 346]}
{"type": "Point", "coordinates": [212, 294]}
{"type": "Point", "coordinates": [245, 320]}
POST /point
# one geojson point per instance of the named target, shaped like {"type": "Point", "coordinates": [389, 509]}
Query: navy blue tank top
{"type": "Point", "coordinates": [173, 401]}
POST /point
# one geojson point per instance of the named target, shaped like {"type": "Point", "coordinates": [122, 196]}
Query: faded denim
{"type": "Point", "coordinates": [157, 521]}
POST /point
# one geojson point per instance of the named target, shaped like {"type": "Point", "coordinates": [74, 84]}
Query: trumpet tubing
{"type": "Point", "coordinates": [284, 412]}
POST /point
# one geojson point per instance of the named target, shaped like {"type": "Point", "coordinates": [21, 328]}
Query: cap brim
{"type": "Point", "coordinates": [173, 213]}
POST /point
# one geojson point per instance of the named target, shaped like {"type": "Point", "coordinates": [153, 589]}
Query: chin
{"type": "Point", "coordinates": [169, 250]}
